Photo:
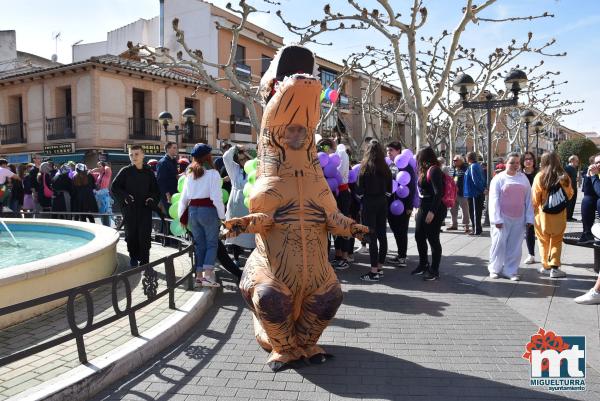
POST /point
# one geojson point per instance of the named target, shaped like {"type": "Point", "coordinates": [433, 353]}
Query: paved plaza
{"type": "Point", "coordinates": [459, 338]}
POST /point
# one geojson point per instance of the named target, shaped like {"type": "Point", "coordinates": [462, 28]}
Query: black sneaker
{"type": "Point", "coordinates": [419, 270]}
{"type": "Point", "coordinates": [370, 277]}
{"type": "Point", "coordinates": [429, 276]}
{"type": "Point", "coordinates": [341, 265]}
{"type": "Point", "coordinates": [402, 262]}
{"type": "Point", "coordinates": [586, 238]}
{"type": "Point", "coordinates": [380, 272]}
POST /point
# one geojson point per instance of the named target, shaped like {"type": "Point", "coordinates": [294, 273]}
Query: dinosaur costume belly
{"type": "Point", "coordinates": [288, 281]}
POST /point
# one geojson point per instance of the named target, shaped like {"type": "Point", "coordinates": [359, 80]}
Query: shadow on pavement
{"type": "Point", "coordinates": [397, 303]}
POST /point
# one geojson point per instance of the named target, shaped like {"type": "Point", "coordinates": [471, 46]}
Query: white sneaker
{"type": "Point", "coordinates": [362, 249]}
{"type": "Point", "coordinates": [541, 270]}
{"type": "Point", "coordinates": [592, 297]}
{"type": "Point", "coordinates": [516, 277]}
{"type": "Point", "coordinates": [557, 273]}
{"type": "Point", "coordinates": [596, 230]}
{"type": "Point", "coordinates": [530, 259]}
{"type": "Point", "coordinates": [494, 275]}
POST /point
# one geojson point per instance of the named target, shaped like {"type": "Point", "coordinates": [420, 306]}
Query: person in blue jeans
{"type": "Point", "coordinates": [203, 198]}
{"type": "Point", "coordinates": [474, 190]}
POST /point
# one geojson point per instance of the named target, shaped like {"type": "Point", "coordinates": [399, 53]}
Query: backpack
{"type": "Point", "coordinates": [557, 200]}
{"type": "Point", "coordinates": [450, 189]}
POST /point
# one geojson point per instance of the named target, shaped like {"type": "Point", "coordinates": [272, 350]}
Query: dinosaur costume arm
{"type": "Point", "coordinates": [255, 223]}
{"type": "Point", "coordinates": [338, 224]}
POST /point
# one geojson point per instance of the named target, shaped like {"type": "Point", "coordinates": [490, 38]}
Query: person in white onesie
{"type": "Point", "coordinates": [511, 211]}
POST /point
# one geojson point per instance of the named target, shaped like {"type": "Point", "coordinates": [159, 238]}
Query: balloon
{"type": "Point", "coordinates": [247, 203]}
{"type": "Point", "coordinates": [333, 184]}
{"type": "Point", "coordinates": [397, 208]}
{"type": "Point", "coordinates": [353, 176]}
{"type": "Point", "coordinates": [327, 92]}
{"type": "Point", "coordinates": [322, 96]}
{"type": "Point", "coordinates": [394, 185]}
{"type": "Point", "coordinates": [334, 159]}
{"type": "Point", "coordinates": [174, 210]}
{"type": "Point", "coordinates": [408, 152]}
{"type": "Point", "coordinates": [180, 183]}
{"type": "Point", "coordinates": [401, 160]}
{"type": "Point", "coordinates": [247, 189]}
{"type": "Point", "coordinates": [333, 96]}
{"type": "Point", "coordinates": [330, 171]}
{"type": "Point", "coordinates": [252, 177]}
{"type": "Point", "coordinates": [356, 167]}
{"type": "Point", "coordinates": [413, 162]}
{"type": "Point", "coordinates": [388, 161]}
{"type": "Point", "coordinates": [250, 166]}
{"type": "Point", "coordinates": [225, 195]}
{"type": "Point", "coordinates": [175, 198]}
{"type": "Point", "coordinates": [402, 191]}
{"type": "Point", "coordinates": [403, 177]}
{"type": "Point", "coordinates": [177, 229]}
{"type": "Point", "coordinates": [339, 178]}
{"type": "Point", "coordinates": [323, 159]}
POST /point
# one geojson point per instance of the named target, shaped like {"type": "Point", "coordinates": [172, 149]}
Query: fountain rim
{"type": "Point", "coordinates": [103, 238]}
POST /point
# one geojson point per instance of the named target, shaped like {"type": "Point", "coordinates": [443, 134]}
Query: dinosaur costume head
{"type": "Point", "coordinates": [292, 112]}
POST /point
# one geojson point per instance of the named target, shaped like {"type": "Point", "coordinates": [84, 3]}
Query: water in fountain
{"type": "Point", "coordinates": [9, 232]}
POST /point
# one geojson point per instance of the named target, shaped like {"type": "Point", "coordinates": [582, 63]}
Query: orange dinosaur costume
{"type": "Point", "coordinates": [288, 281]}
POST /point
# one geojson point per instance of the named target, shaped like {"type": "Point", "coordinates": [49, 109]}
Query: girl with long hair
{"type": "Point", "coordinates": [203, 198]}
{"type": "Point", "coordinates": [529, 168]}
{"type": "Point", "coordinates": [45, 181]}
{"type": "Point", "coordinates": [84, 200]}
{"type": "Point", "coordinates": [375, 184]}
{"type": "Point", "coordinates": [431, 214]}
{"type": "Point", "coordinates": [550, 225]}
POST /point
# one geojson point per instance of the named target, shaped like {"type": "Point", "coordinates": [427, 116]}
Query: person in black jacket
{"type": "Point", "coordinates": [590, 201]}
{"type": "Point", "coordinates": [62, 186]}
{"type": "Point", "coordinates": [572, 169]}
{"type": "Point", "coordinates": [431, 214]}
{"type": "Point", "coordinates": [399, 224]}
{"type": "Point", "coordinates": [375, 185]}
{"type": "Point", "coordinates": [84, 200]}
{"type": "Point", "coordinates": [135, 187]}
{"type": "Point", "coordinates": [167, 171]}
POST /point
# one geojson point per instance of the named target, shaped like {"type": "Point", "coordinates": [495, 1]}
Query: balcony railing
{"type": "Point", "coordinates": [240, 125]}
{"type": "Point", "coordinates": [243, 71]}
{"type": "Point", "coordinates": [144, 129]}
{"type": "Point", "coordinates": [199, 134]}
{"type": "Point", "coordinates": [12, 133]}
{"type": "Point", "coordinates": [60, 128]}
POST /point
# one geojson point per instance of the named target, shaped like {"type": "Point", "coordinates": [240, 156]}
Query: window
{"type": "Point", "coordinates": [237, 108]}
{"type": "Point", "coordinates": [240, 55]}
{"type": "Point", "coordinates": [63, 102]}
{"type": "Point", "coordinates": [265, 63]}
{"type": "Point", "coordinates": [15, 109]}
{"type": "Point", "coordinates": [139, 104]}
{"type": "Point", "coordinates": [327, 77]}
{"type": "Point", "coordinates": [190, 103]}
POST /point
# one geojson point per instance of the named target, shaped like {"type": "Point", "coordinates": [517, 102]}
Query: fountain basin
{"type": "Point", "coordinates": [92, 256]}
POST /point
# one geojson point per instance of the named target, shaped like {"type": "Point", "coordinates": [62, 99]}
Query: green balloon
{"type": "Point", "coordinates": [251, 166]}
{"type": "Point", "coordinates": [252, 177]}
{"type": "Point", "coordinates": [180, 183]}
{"type": "Point", "coordinates": [247, 202]}
{"type": "Point", "coordinates": [225, 195]}
{"type": "Point", "coordinates": [177, 229]}
{"type": "Point", "coordinates": [322, 96]}
{"type": "Point", "coordinates": [221, 182]}
{"type": "Point", "coordinates": [175, 198]}
{"type": "Point", "coordinates": [247, 189]}
{"type": "Point", "coordinates": [173, 210]}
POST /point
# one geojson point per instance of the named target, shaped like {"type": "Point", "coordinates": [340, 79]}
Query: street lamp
{"type": "Point", "coordinates": [527, 116]}
{"type": "Point", "coordinates": [464, 84]}
{"type": "Point", "coordinates": [189, 116]}
{"type": "Point", "coordinates": [537, 126]}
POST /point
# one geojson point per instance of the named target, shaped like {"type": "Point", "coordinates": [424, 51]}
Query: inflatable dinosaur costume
{"type": "Point", "coordinates": [288, 281]}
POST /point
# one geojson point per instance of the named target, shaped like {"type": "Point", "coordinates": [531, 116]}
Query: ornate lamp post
{"type": "Point", "coordinates": [188, 115]}
{"type": "Point", "coordinates": [538, 127]}
{"type": "Point", "coordinates": [527, 116]}
{"type": "Point", "coordinates": [464, 84]}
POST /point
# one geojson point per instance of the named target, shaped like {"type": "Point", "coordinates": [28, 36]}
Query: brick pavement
{"type": "Point", "coordinates": [400, 339]}
{"type": "Point", "coordinates": [36, 369]}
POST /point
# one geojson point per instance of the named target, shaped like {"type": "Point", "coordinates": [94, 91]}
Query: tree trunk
{"type": "Point", "coordinates": [420, 130]}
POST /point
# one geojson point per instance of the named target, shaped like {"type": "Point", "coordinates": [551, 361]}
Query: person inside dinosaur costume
{"type": "Point", "coordinates": [288, 281]}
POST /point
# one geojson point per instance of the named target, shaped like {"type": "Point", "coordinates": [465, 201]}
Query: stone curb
{"type": "Point", "coordinates": [82, 382]}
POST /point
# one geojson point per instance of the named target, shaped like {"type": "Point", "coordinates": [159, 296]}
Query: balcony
{"type": "Point", "coordinates": [144, 129]}
{"type": "Point", "coordinates": [240, 125]}
{"type": "Point", "coordinates": [12, 134]}
{"type": "Point", "coordinates": [243, 72]}
{"type": "Point", "coordinates": [199, 134]}
{"type": "Point", "coordinates": [60, 128]}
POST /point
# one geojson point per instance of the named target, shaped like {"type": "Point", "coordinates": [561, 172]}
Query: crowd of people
{"type": "Point", "coordinates": [525, 202]}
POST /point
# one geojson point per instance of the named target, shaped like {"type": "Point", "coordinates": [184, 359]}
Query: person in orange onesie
{"type": "Point", "coordinates": [288, 281]}
{"type": "Point", "coordinates": [551, 213]}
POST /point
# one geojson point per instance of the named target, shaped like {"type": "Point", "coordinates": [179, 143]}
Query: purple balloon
{"type": "Point", "coordinates": [401, 160]}
{"type": "Point", "coordinates": [338, 177]}
{"type": "Point", "coordinates": [323, 159]}
{"type": "Point", "coordinates": [388, 161]}
{"type": "Point", "coordinates": [330, 170]}
{"type": "Point", "coordinates": [334, 159]}
{"type": "Point", "coordinates": [407, 152]}
{"type": "Point", "coordinates": [333, 184]}
{"type": "Point", "coordinates": [397, 208]}
{"type": "Point", "coordinates": [352, 176]}
{"type": "Point", "coordinates": [394, 185]}
{"type": "Point", "coordinates": [403, 177]}
{"type": "Point", "coordinates": [402, 191]}
{"type": "Point", "coordinates": [413, 162]}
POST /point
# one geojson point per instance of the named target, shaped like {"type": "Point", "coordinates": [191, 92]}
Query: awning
{"type": "Point", "coordinates": [77, 157]}
{"type": "Point", "coordinates": [123, 158]}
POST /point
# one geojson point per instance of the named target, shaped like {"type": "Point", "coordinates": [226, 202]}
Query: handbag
{"type": "Point", "coordinates": [47, 191]}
